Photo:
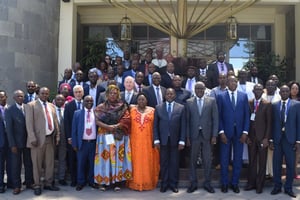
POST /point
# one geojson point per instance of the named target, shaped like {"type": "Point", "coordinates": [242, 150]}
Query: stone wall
{"type": "Point", "coordinates": [28, 43]}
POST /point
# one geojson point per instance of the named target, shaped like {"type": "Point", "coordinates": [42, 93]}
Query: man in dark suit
{"type": "Point", "coordinates": [79, 80]}
{"type": "Point", "coordinates": [70, 108]}
{"type": "Point", "coordinates": [182, 95]}
{"type": "Point", "coordinates": [43, 135]}
{"type": "Point", "coordinates": [166, 79]}
{"type": "Point", "coordinates": [169, 137]}
{"type": "Point", "coordinates": [17, 138]}
{"type": "Point", "coordinates": [214, 69]}
{"type": "Point", "coordinates": [139, 79]}
{"type": "Point", "coordinates": [202, 130]}
{"type": "Point", "coordinates": [155, 92]}
{"type": "Point", "coordinates": [233, 130]}
{"type": "Point", "coordinates": [129, 95]}
{"type": "Point", "coordinates": [253, 75]}
{"type": "Point", "coordinates": [190, 80]}
{"type": "Point", "coordinates": [93, 89]}
{"type": "Point", "coordinates": [30, 95]}
{"type": "Point", "coordinates": [285, 139]}
{"type": "Point", "coordinates": [259, 135]}
{"type": "Point", "coordinates": [84, 135]}
{"type": "Point", "coordinates": [148, 78]}
{"type": "Point", "coordinates": [67, 78]}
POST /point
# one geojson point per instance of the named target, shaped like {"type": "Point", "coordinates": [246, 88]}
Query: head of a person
{"type": "Point", "coordinates": [118, 60]}
{"type": "Point", "coordinates": [78, 92]}
{"type": "Point", "coordinates": [134, 65]}
{"type": "Point", "coordinates": [169, 58]}
{"type": "Point", "coordinates": [274, 78]}
{"type": "Point", "coordinates": [199, 89]}
{"type": "Point", "coordinates": [149, 51]}
{"type": "Point", "coordinates": [88, 102]}
{"type": "Point", "coordinates": [258, 90]}
{"type": "Point", "coordinates": [79, 75]}
{"type": "Point", "coordinates": [270, 87]}
{"type": "Point", "coordinates": [19, 96]}
{"type": "Point", "coordinates": [65, 89]}
{"type": "Point", "coordinates": [202, 63]}
{"type": "Point", "coordinates": [59, 100]}
{"type": "Point", "coordinates": [221, 56]}
{"type": "Point", "coordinates": [151, 68]}
{"type": "Point", "coordinates": [68, 73]}
{"type": "Point", "coordinates": [254, 71]}
{"type": "Point", "coordinates": [139, 78]}
{"type": "Point", "coordinates": [170, 68]}
{"type": "Point", "coordinates": [230, 73]}
{"type": "Point", "coordinates": [37, 88]}
{"type": "Point", "coordinates": [111, 82]}
{"type": "Point", "coordinates": [170, 95]}
{"type": "Point", "coordinates": [126, 55]}
{"type": "Point", "coordinates": [110, 74]}
{"type": "Point", "coordinates": [294, 88]}
{"type": "Point", "coordinates": [156, 78]}
{"type": "Point", "coordinates": [232, 83]}
{"type": "Point", "coordinates": [129, 83]}
{"type": "Point", "coordinates": [148, 57]}
{"type": "Point", "coordinates": [159, 53]}
{"type": "Point", "coordinates": [120, 70]}
{"type": "Point", "coordinates": [136, 56]}
{"type": "Point", "coordinates": [284, 92]}
{"type": "Point", "coordinates": [44, 94]}
{"type": "Point", "coordinates": [76, 66]}
{"type": "Point", "coordinates": [243, 75]}
{"type": "Point", "coordinates": [93, 77]}
{"type": "Point", "coordinates": [3, 98]}
{"type": "Point", "coordinates": [107, 59]}
{"type": "Point", "coordinates": [31, 86]}
{"type": "Point", "coordinates": [222, 79]}
{"type": "Point", "coordinates": [113, 94]}
{"type": "Point", "coordinates": [142, 100]}
{"type": "Point", "coordinates": [177, 82]}
{"type": "Point", "coordinates": [191, 71]}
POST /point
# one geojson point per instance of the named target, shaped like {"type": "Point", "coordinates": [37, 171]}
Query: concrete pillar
{"type": "Point", "coordinates": [297, 41]}
{"type": "Point", "coordinates": [67, 37]}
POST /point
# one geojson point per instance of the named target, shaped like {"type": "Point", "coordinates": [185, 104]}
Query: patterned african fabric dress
{"type": "Point", "coordinates": [112, 161]}
{"type": "Point", "coordinates": [145, 158]}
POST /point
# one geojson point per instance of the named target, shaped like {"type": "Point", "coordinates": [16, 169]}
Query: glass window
{"type": "Point", "coordinates": [217, 32]}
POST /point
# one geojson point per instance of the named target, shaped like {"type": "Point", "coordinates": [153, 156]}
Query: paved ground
{"type": "Point", "coordinates": [69, 193]}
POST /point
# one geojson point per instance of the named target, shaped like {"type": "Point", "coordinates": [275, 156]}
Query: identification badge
{"type": "Point", "coordinates": [252, 118]}
{"type": "Point", "coordinates": [109, 138]}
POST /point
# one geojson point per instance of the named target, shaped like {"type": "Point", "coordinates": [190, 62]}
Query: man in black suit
{"type": "Point", "coordinates": [129, 95]}
{"type": "Point", "coordinates": [70, 108]}
{"type": "Point", "coordinates": [17, 138]}
{"type": "Point", "coordinates": [214, 69]}
{"type": "Point", "coordinates": [93, 89]}
{"type": "Point", "coordinates": [169, 137]}
{"type": "Point", "coordinates": [190, 80]}
{"type": "Point", "coordinates": [155, 92]}
{"type": "Point", "coordinates": [139, 79]}
{"type": "Point", "coordinates": [166, 79]}
{"type": "Point", "coordinates": [182, 95]}
{"type": "Point", "coordinates": [30, 95]}
{"type": "Point", "coordinates": [253, 76]}
{"type": "Point", "coordinates": [148, 78]}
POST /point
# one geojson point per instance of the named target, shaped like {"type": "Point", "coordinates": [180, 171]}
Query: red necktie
{"type": "Point", "coordinates": [48, 117]}
{"type": "Point", "coordinates": [146, 70]}
{"type": "Point", "coordinates": [88, 121]}
{"type": "Point", "coordinates": [256, 106]}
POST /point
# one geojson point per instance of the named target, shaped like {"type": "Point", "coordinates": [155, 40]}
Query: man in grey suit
{"type": "Point", "coordinates": [202, 130]}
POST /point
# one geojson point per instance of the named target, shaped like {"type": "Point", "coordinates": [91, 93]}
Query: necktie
{"type": "Point", "coordinates": [282, 114]}
{"type": "Point", "coordinates": [30, 97]}
{"type": "Point", "coordinates": [88, 121]}
{"type": "Point", "coordinates": [222, 67]}
{"type": "Point", "coordinates": [146, 69]}
{"type": "Point", "coordinates": [150, 79]}
{"type": "Point", "coordinates": [256, 106]}
{"type": "Point", "coordinates": [158, 96]}
{"type": "Point", "coordinates": [22, 110]}
{"type": "Point", "coordinates": [140, 88]}
{"type": "Point", "coordinates": [190, 84]}
{"type": "Point", "coordinates": [48, 117]}
{"type": "Point", "coordinates": [60, 115]}
{"type": "Point", "coordinates": [200, 107]}
{"type": "Point", "coordinates": [78, 105]}
{"type": "Point", "coordinates": [232, 99]}
{"type": "Point", "coordinates": [128, 98]}
{"type": "Point", "coordinates": [169, 110]}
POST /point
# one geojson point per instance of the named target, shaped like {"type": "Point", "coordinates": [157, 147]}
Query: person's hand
{"type": "Point", "coordinates": [265, 143]}
{"type": "Point", "coordinates": [213, 140]}
{"type": "Point", "coordinates": [223, 138]}
{"type": "Point", "coordinates": [249, 141]}
{"type": "Point", "coordinates": [180, 147]}
{"type": "Point", "coordinates": [271, 146]}
{"type": "Point", "coordinates": [57, 141]}
{"type": "Point", "coordinates": [243, 138]}
{"type": "Point", "coordinates": [14, 149]}
{"type": "Point", "coordinates": [75, 149]}
{"type": "Point", "coordinates": [34, 143]}
{"type": "Point", "coordinates": [70, 141]}
{"type": "Point", "coordinates": [157, 146]}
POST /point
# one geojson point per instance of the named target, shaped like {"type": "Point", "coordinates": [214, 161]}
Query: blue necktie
{"type": "Point", "coordinates": [232, 99]}
{"type": "Point", "coordinates": [78, 105]}
{"type": "Point", "coordinates": [282, 114]}
{"type": "Point", "coordinates": [169, 110]}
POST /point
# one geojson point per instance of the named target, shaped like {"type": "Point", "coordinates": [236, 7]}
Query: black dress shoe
{"type": "Point", "coordinates": [51, 188]}
{"type": "Point", "coordinates": [224, 188]}
{"type": "Point", "coordinates": [2, 190]}
{"type": "Point", "coordinates": [79, 187]}
{"type": "Point", "coordinates": [235, 189]}
{"type": "Point", "coordinates": [163, 189]}
{"type": "Point", "coordinates": [275, 191]}
{"type": "Point", "coordinates": [192, 189]}
{"type": "Point", "coordinates": [62, 182]}
{"type": "Point", "coordinates": [290, 193]}
{"type": "Point", "coordinates": [16, 191]}
{"type": "Point", "coordinates": [249, 187]}
{"type": "Point", "coordinates": [209, 189]}
{"type": "Point", "coordinates": [37, 191]}
{"type": "Point", "coordinates": [94, 185]}
{"type": "Point", "coordinates": [174, 189]}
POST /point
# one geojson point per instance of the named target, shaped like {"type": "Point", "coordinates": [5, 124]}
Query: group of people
{"type": "Point", "coordinates": [131, 121]}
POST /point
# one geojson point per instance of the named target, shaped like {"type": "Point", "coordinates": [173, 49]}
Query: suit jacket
{"type": "Point", "coordinates": [166, 81]}
{"type": "Point", "coordinates": [258, 80]}
{"type": "Point", "coordinates": [26, 98]}
{"type": "Point", "coordinates": [182, 95]}
{"type": "Point", "coordinates": [208, 120]}
{"type": "Point", "coordinates": [70, 108]}
{"type": "Point", "coordinates": [35, 123]}
{"type": "Point", "coordinates": [291, 124]}
{"type": "Point", "coordinates": [213, 74]}
{"type": "Point", "coordinates": [151, 97]}
{"type": "Point", "coordinates": [261, 127]}
{"type": "Point", "coordinates": [100, 89]}
{"type": "Point", "coordinates": [15, 127]}
{"type": "Point", "coordinates": [2, 132]}
{"type": "Point", "coordinates": [185, 80]}
{"type": "Point", "coordinates": [133, 99]}
{"type": "Point", "coordinates": [78, 128]}
{"type": "Point", "coordinates": [174, 127]}
{"type": "Point", "coordinates": [146, 80]}
{"type": "Point", "coordinates": [228, 116]}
